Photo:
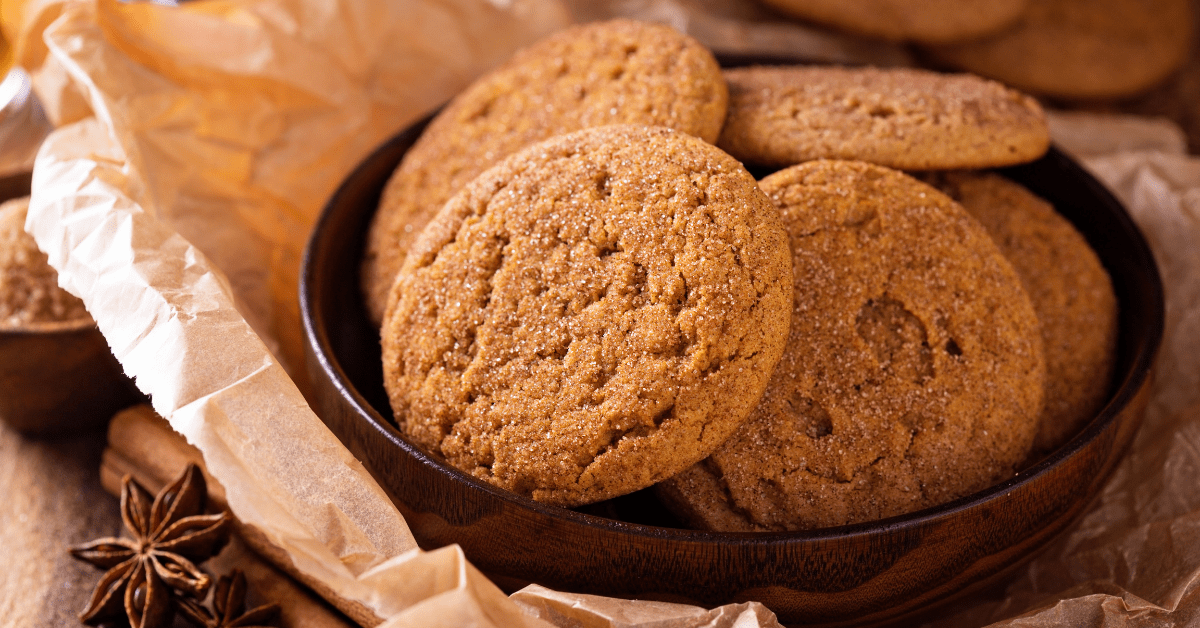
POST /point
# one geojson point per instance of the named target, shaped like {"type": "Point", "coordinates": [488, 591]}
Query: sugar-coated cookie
{"type": "Point", "coordinates": [901, 118]}
{"type": "Point", "coordinates": [590, 316]}
{"type": "Point", "coordinates": [1070, 290]}
{"type": "Point", "coordinates": [617, 72]}
{"type": "Point", "coordinates": [913, 370]}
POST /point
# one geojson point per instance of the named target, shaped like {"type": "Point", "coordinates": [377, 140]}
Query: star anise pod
{"type": "Point", "coordinates": [228, 602]}
{"type": "Point", "coordinates": [170, 536]}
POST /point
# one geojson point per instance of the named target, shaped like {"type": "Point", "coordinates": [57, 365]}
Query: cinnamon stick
{"type": "Point", "coordinates": [143, 445]}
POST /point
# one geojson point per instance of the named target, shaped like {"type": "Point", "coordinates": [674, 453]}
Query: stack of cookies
{"type": "Point", "coordinates": [583, 292]}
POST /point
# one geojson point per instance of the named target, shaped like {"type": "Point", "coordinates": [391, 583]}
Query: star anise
{"type": "Point", "coordinates": [228, 602]}
{"type": "Point", "coordinates": [170, 536]}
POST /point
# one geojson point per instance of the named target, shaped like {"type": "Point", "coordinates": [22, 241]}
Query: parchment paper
{"type": "Point", "coordinates": [177, 211]}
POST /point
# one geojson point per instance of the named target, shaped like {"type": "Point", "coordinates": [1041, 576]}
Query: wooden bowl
{"type": "Point", "coordinates": [58, 378]}
{"type": "Point", "coordinates": [860, 574]}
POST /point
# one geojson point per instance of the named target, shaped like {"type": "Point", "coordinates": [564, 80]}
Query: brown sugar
{"type": "Point", "coordinates": [29, 292]}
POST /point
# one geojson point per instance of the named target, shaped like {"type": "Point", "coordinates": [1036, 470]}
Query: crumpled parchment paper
{"type": "Point", "coordinates": [197, 146]}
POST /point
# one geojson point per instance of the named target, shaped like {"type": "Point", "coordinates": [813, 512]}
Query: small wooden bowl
{"type": "Point", "coordinates": [861, 574]}
{"type": "Point", "coordinates": [58, 378]}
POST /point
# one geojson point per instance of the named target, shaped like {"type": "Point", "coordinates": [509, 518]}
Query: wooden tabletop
{"type": "Point", "coordinates": [51, 498]}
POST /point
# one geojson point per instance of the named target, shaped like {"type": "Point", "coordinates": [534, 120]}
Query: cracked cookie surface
{"type": "Point", "coordinates": [615, 72]}
{"type": "Point", "coordinates": [1070, 290]}
{"type": "Point", "coordinates": [590, 316]}
{"type": "Point", "coordinates": [901, 118]}
{"type": "Point", "coordinates": [912, 374]}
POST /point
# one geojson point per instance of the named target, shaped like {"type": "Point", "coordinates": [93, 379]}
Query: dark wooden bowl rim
{"type": "Point", "coordinates": [1133, 380]}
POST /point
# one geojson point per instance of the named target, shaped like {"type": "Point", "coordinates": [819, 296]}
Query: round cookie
{"type": "Point", "coordinates": [617, 72]}
{"type": "Point", "coordinates": [929, 21]}
{"type": "Point", "coordinates": [1082, 48]}
{"type": "Point", "coordinates": [590, 316]}
{"type": "Point", "coordinates": [901, 118]}
{"type": "Point", "coordinates": [1070, 290]}
{"type": "Point", "coordinates": [913, 369]}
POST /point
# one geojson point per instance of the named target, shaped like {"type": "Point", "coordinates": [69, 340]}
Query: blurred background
{"type": "Point", "coordinates": [1135, 57]}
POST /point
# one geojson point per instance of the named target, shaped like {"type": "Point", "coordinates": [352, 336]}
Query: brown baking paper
{"type": "Point", "coordinates": [179, 208]}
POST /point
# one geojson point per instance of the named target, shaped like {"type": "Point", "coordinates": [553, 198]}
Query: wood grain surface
{"type": "Point", "coordinates": [57, 493]}
{"type": "Point", "coordinates": [50, 497]}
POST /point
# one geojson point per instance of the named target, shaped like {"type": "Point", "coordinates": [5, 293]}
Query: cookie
{"type": "Point", "coordinates": [929, 21]}
{"type": "Point", "coordinates": [1082, 49]}
{"type": "Point", "coordinates": [617, 72]}
{"type": "Point", "coordinates": [1070, 290]}
{"type": "Point", "coordinates": [901, 118]}
{"type": "Point", "coordinates": [913, 369]}
{"type": "Point", "coordinates": [591, 315]}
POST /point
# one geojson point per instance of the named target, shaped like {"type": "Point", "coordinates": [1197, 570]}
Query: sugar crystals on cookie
{"type": "Point", "coordinates": [590, 316]}
{"type": "Point", "coordinates": [616, 72]}
{"type": "Point", "coordinates": [901, 118]}
{"type": "Point", "coordinates": [913, 372]}
{"type": "Point", "coordinates": [1069, 288]}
